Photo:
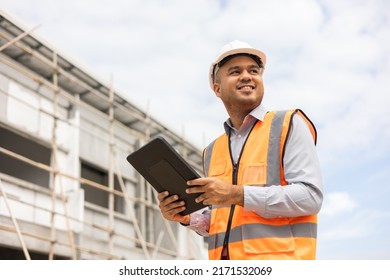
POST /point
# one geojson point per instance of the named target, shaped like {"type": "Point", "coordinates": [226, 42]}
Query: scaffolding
{"type": "Point", "coordinates": [71, 91]}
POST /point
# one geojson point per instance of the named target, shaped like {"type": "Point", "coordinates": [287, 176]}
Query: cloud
{"type": "Point", "coordinates": [322, 57]}
{"type": "Point", "coordinates": [353, 225]}
{"type": "Point", "coordinates": [343, 217]}
{"type": "Point", "coordinates": [337, 203]}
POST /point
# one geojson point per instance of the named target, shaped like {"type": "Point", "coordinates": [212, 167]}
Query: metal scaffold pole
{"type": "Point", "coordinates": [25, 251]}
{"type": "Point", "coordinates": [111, 182]}
{"type": "Point", "coordinates": [132, 214]}
{"type": "Point", "coordinates": [57, 177]}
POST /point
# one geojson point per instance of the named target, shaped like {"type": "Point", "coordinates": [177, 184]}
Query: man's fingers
{"type": "Point", "coordinates": [162, 195]}
{"type": "Point", "coordinates": [172, 205]}
{"type": "Point", "coordinates": [172, 211]}
{"type": "Point", "coordinates": [200, 198]}
{"type": "Point", "coordinates": [195, 190]}
{"type": "Point", "coordinates": [198, 182]}
{"type": "Point", "coordinates": [203, 199]}
{"type": "Point", "coordinates": [175, 210]}
{"type": "Point", "coordinates": [168, 200]}
{"type": "Point", "coordinates": [206, 202]}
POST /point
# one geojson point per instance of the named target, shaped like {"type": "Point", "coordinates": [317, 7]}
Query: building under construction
{"type": "Point", "coordinates": [66, 189]}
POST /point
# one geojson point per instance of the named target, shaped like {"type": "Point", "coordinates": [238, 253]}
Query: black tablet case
{"type": "Point", "coordinates": [164, 168]}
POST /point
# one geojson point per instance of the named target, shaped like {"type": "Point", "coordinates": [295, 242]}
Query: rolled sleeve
{"type": "Point", "coordinates": [200, 221]}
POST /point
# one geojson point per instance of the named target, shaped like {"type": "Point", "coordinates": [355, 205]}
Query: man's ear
{"type": "Point", "coordinates": [217, 89]}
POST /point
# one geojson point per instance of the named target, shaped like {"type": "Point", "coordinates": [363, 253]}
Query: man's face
{"type": "Point", "coordinates": [239, 84]}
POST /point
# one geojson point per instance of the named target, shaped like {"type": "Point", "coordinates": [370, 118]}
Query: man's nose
{"type": "Point", "coordinates": [245, 76]}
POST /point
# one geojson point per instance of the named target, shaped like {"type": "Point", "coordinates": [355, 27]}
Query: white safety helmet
{"type": "Point", "coordinates": [234, 47]}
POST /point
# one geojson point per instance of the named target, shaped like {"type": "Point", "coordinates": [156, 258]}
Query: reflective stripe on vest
{"type": "Point", "coordinates": [273, 159]}
{"type": "Point", "coordinates": [207, 157]}
{"type": "Point", "coordinates": [257, 230]}
{"type": "Point", "coordinates": [252, 236]}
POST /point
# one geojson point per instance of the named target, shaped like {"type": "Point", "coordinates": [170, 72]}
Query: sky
{"type": "Point", "coordinates": [329, 58]}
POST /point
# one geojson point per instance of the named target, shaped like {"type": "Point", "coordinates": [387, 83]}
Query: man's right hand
{"type": "Point", "coordinates": [171, 207]}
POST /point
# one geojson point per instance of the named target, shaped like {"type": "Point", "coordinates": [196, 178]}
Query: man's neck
{"type": "Point", "coordinates": [237, 117]}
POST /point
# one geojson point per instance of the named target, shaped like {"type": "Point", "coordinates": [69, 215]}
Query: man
{"type": "Point", "coordinates": [262, 179]}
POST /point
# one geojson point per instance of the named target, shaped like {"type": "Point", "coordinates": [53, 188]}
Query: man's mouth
{"type": "Point", "coordinates": [246, 87]}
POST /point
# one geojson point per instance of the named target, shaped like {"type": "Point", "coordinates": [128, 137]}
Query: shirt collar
{"type": "Point", "coordinates": [257, 113]}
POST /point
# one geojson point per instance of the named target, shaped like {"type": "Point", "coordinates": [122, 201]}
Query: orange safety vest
{"type": "Point", "coordinates": [245, 234]}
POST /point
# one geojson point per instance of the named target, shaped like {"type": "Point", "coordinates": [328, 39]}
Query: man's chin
{"type": "Point", "coordinates": [250, 102]}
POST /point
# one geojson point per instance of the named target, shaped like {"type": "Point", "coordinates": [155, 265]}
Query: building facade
{"type": "Point", "coordinates": [66, 189]}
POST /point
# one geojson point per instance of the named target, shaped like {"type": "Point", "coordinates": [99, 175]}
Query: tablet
{"type": "Point", "coordinates": [164, 168]}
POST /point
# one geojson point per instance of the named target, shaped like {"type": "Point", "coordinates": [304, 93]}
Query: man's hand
{"type": "Point", "coordinates": [214, 191]}
{"type": "Point", "coordinates": [171, 207]}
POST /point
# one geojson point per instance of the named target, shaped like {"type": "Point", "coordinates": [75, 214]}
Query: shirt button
{"type": "Point", "coordinates": [239, 135]}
